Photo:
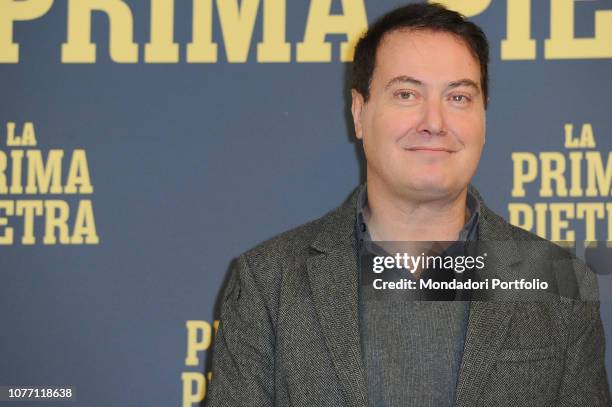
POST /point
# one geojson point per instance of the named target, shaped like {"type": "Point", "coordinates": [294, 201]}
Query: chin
{"type": "Point", "coordinates": [431, 190]}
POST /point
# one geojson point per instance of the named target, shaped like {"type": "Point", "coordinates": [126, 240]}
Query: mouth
{"type": "Point", "coordinates": [430, 149]}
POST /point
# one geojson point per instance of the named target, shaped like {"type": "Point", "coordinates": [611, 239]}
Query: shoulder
{"type": "Point", "coordinates": [526, 239]}
{"type": "Point", "coordinates": [543, 258]}
{"type": "Point", "coordinates": [285, 246]}
{"type": "Point", "coordinates": [493, 227]}
{"type": "Point", "coordinates": [264, 270]}
{"type": "Point", "coordinates": [299, 242]}
{"type": "Point", "coordinates": [271, 259]}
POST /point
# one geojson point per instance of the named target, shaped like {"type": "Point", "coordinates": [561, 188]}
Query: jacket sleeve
{"type": "Point", "coordinates": [243, 352]}
{"type": "Point", "coordinates": [585, 381]}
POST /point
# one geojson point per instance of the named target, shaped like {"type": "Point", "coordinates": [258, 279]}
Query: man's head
{"type": "Point", "coordinates": [432, 17]}
{"type": "Point", "coordinates": [419, 98]}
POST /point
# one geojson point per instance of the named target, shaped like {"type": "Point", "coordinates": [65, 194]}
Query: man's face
{"type": "Point", "coordinates": [423, 127]}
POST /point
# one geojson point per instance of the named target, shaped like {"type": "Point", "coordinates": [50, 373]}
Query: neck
{"type": "Point", "coordinates": [392, 217]}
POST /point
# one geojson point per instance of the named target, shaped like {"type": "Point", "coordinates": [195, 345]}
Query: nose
{"type": "Point", "coordinates": [432, 120]}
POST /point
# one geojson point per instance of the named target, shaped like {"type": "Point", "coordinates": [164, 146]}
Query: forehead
{"type": "Point", "coordinates": [430, 56]}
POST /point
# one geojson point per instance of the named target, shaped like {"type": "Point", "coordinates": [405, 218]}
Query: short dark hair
{"type": "Point", "coordinates": [422, 16]}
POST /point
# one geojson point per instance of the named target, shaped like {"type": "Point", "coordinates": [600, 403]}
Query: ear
{"type": "Point", "coordinates": [356, 110]}
{"type": "Point", "coordinates": [484, 141]}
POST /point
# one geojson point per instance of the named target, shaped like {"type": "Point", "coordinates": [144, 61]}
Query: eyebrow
{"type": "Point", "coordinates": [409, 79]}
{"type": "Point", "coordinates": [464, 82]}
{"type": "Point", "coordinates": [403, 79]}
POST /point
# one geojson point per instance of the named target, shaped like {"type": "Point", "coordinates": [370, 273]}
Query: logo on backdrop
{"type": "Point", "coordinates": [238, 20]}
{"type": "Point", "coordinates": [200, 335]}
{"type": "Point", "coordinates": [575, 185]}
{"type": "Point", "coordinates": [31, 186]}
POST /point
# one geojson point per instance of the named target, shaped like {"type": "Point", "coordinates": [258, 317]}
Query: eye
{"type": "Point", "coordinates": [404, 95]}
{"type": "Point", "coordinates": [460, 99]}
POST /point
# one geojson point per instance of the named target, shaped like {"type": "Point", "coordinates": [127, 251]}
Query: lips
{"type": "Point", "coordinates": [430, 148]}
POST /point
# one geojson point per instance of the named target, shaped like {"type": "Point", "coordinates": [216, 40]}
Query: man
{"type": "Point", "coordinates": [298, 329]}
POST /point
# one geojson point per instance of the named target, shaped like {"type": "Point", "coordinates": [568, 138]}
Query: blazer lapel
{"type": "Point", "coordinates": [489, 320]}
{"type": "Point", "coordinates": [333, 277]}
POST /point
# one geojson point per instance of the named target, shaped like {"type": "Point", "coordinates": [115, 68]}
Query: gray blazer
{"type": "Point", "coordinates": [289, 331]}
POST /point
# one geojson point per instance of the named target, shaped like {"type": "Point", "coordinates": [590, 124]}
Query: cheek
{"type": "Point", "coordinates": [391, 124]}
{"type": "Point", "coordinates": [470, 131]}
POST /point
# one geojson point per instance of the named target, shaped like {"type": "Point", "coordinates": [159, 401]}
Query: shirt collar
{"type": "Point", "coordinates": [469, 232]}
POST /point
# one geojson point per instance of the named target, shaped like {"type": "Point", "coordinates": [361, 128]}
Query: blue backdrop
{"type": "Point", "coordinates": [130, 177]}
